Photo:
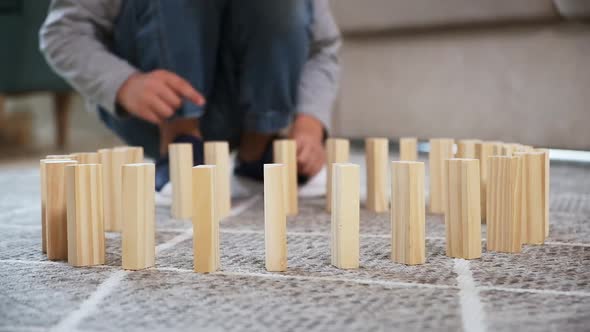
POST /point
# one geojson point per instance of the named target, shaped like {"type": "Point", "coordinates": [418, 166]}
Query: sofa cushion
{"type": "Point", "coordinates": [370, 15]}
{"type": "Point", "coordinates": [573, 9]}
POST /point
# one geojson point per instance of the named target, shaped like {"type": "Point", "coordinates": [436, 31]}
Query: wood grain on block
{"type": "Point", "coordinates": [503, 204]}
{"type": "Point", "coordinates": [275, 218]}
{"type": "Point", "coordinates": [408, 149]}
{"type": "Point", "coordinates": [285, 152]}
{"type": "Point", "coordinates": [376, 157]}
{"type": "Point", "coordinates": [345, 215]}
{"type": "Point", "coordinates": [337, 151]}
{"type": "Point", "coordinates": [217, 153]}
{"type": "Point", "coordinates": [546, 183]}
{"type": "Point", "coordinates": [86, 242]}
{"type": "Point", "coordinates": [463, 212]}
{"type": "Point", "coordinates": [112, 161]}
{"type": "Point", "coordinates": [138, 237]}
{"type": "Point", "coordinates": [56, 216]}
{"type": "Point", "coordinates": [532, 197]}
{"type": "Point", "coordinates": [408, 213]}
{"type": "Point", "coordinates": [86, 157]}
{"type": "Point", "coordinates": [205, 220]}
{"type": "Point", "coordinates": [466, 148]}
{"type": "Point", "coordinates": [440, 150]}
{"type": "Point", "coordinates": [181, 163]}
{"type": "Point", "coordinates": [484, 150]}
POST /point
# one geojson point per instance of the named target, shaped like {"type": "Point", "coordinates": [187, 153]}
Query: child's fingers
{"type": "Point", "coordinates": [183, 88]}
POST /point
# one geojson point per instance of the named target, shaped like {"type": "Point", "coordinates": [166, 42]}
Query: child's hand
{"type": "Point", "coordinates": [308, 132]}
{"type": "Point", "coordinates": [156, 95]}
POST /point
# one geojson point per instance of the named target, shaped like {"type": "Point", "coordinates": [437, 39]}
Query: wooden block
{"type": "Point", "coordinates": [484, 150]}
{"type": "Point", "coordinates": [408, 149]}
{"type": "Point", "coordinates": [545, 189]}
{"type": "Point", "coordinates": [112, 161]}
{"type": "Point", "coordinates": [337, 151]}
{"type": "Point", "coordinates": [56, 218]}
{"type": "Point", "coordinates": [498, 147]}
{"type": "Point", "coordinates": [217, 153]}
{"type": "Point", "coordinates": [509, 148]}
{"type": "Point", "coordinates": [503, 204]}
{"type": "Point", "coordinates": [463, 212]}
{"type": "Point", "coordinates": [205, 220]}
{"type": "Point", "coordinates": [85, 215]}
{"type": "Point", "coordinates": [440, 150]}
{"type": "Point", "coordinates": [345, 216]}
{"type": "Point", "coordinates": [133, 154]}
{"type": "Point", "coordinates": [138, 237]}
{"type": "Point", "coordinates": [43, 200]}
{"type": "Point", "coordinates": [532, 197]}
{"type": "Point", "coordinates": [86, 157]}
{"type": "Point", "coordinates": [466, 148]}
{"type": "Point", "coordinates": [408, 213]}
{"type": "Point", "coordinates": [376, 157]}
{"type": "Point", "coordinates": [285, 152]}
{"type": "Point", "coordinates": [181, 162]}
{"type": "Point", "coordinates": [275, 218]}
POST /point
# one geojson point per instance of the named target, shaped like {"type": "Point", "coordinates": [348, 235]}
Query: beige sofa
{"type": "Point", "coordinates": [512, 70]}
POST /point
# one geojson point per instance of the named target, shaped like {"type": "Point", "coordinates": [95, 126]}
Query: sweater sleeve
{"type": "Point", "coordinates": [74, 39]}
{"type": "Point", "coordinates": [319, 81]}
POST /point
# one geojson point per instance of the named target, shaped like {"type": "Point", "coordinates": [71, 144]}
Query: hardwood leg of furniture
{"type": "Point", "coordinates": [62, 102]}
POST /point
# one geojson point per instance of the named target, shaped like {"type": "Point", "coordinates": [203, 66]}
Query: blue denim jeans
{"type": "Point", "coordinates": [245, 56]}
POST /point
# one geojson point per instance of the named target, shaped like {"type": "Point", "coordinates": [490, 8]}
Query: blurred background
{"type": "Point", "coordinates": [509, 70]}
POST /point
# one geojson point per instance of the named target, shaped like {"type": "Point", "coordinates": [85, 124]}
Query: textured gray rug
{"type": "Point", "coordinates": [543, 288]}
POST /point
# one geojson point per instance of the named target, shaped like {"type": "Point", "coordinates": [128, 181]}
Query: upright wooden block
{"type": "Point", "coordinates": [217, 153]}
{"type": "Point", "coordinates": [112, 161]}
{"type": "Point", "coordinates": [86, 157]}
{"type": "Point", "coordinates": [43, 195]}
{"type": "Point", "coordinates": [466, 148]}
{"type": "Point", "coordinates": [133, 154]}
{"type": "Point", "coordinates": [408, 213]}
{"type": "Point", "coordinates": [43, 190]}
{"type": "Point", "coordinates": [285, 152]}
{"type": "Point", "coordinates": [181, 162]}
{"type": "Point", "coordinates": [56, 217]}
{"type": "Point", "coordinates": [205, 221]}
{"type": "Point", "coordinates": [408, 149]}
{"type": "Point", "coordinates": [275, 218]}
{"type": "Point", "coordinates": [532, 197]}
{"type": "Point", "coordinates": [345, 216]}
{"type": "Point", "coordinates": [484, 150]}
{"type": "Point", "coordinates": [440, 150]}
{"type": "Point", "coordinates": [503, 204]}
{"type": "Point", "coordinates": [337, 151]}
{"type": "Point", "coordinates": [546, 183]}
{"type": "Point", "coordinates": [138, 237]}
{"type": "Point", "coordinates": [85, 215]}
{"type": "Point", "coordinates": [376, 157]}
{"type": "Point", "coordinates": [509, 148]}
{"type": "Point", "coordinates": [463, 212]}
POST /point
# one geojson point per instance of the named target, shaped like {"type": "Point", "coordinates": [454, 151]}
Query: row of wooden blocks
{"type": "Point", "coordinates": [507, 184]}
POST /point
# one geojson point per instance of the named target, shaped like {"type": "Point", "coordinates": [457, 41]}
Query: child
{"type": "Point", "coordinates": [167, 71]}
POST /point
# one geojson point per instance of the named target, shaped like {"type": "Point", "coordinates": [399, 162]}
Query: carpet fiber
{"type": "Point", "coordinates": [543, 288]}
